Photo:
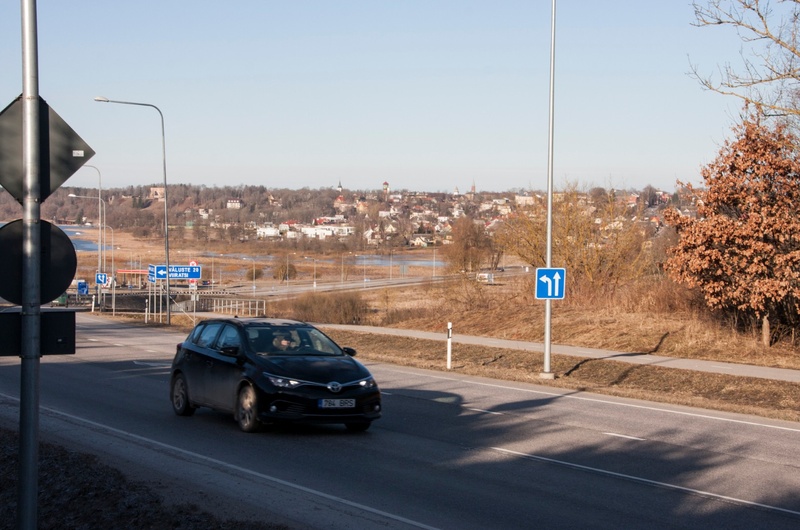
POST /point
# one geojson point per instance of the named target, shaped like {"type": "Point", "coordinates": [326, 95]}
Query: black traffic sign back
{"type": "Point", "coordinates": [63, 152]}
{"type": "Point", "coordinates": [58, 262]}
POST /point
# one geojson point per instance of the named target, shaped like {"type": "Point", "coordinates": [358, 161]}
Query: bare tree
{"type": "Point", "coordinates": [601, 247]}
{"type": "Point", "coordinates": [769, 72]}
{"type": "Point", "coordinates": [470, 246]}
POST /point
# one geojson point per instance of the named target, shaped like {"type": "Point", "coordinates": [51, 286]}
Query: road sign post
{"type": "Point", "coordinates": [38, 152]}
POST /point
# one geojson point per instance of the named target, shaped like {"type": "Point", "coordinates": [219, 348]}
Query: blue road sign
{"type": "Point", "coordinates": [101, 278]}
{"type": "Point", "coordinates": [83, 288]}
{"type": "Point", "coordinates": [176, 272]}
{"type": "Point", "coordinates": [550, 283]}
{"type": "Point", "coordinates": [185, 272]}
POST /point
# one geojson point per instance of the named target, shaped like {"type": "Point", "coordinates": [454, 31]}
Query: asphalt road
{"type": "Point", "coordinates": [450, 452]}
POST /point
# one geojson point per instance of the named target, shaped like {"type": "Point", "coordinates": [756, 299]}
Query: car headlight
{"type": "Point", "coordinates": [282, 382]}
{"type": "Point", "coordinates": [368, 383]}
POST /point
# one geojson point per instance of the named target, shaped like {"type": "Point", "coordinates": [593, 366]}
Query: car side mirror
{"type": "Point", "coordinates": [349, 351]}
{"type": "Point", "coordinates": [230, 351]}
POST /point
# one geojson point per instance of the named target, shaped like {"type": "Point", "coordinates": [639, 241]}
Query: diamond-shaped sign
{"type": "Point", "coordinates": [62, 151]}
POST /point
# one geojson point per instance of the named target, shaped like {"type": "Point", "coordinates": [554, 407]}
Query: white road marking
{"type": "Point", "coordinates": [233, 467]}
{"type": "Point", "coordinates": [641, 480]}
{"type": "Point", "coordinates": [154, 364]}
{"type": "Point", "coordinates": [486, 411]}
{"type": "Point", "coordinates": [623, 436]}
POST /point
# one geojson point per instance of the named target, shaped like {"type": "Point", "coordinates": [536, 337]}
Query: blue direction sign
{"type": "Point", "coordinates": [550, 283]}
{"type": "Point", "coordinates": [101, 278]}
{"type": "Point", "coordinates": [151, 273]}
{"type": "Point", "coordinates": [185, 272]}
{"type": "Point", "coordinates": [176, 272]}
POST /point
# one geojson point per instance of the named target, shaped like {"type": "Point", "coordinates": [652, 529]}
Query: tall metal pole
{"type": "Point", "coordinates": [547, 374]}
{"type": "Point", "coordinates": [100, 240]}
{"type": "Point", "coordinates": [31, 274]}
{"type": "Point", "coordinates": [166, 201]}
{"type": "Point", "coordinates": [101, 230]}
{"type": "Point", "coordinates": [113, 277]}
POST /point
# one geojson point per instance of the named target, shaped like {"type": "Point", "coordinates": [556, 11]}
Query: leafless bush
{"type": "Point", "coordinates": [334, 308]}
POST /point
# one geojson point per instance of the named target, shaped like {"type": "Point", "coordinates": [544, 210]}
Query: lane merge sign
{"type": "Point", "coordinates": [176, 272]}
{"type": "Point", "coordinates": [550, 283]}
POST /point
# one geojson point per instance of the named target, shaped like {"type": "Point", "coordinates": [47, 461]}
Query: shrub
{"type": "Point", "coordinates": [332, 308]}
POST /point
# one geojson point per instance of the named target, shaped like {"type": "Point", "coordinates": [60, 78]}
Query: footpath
{"type": "Point", "coordinates": [744, 370]}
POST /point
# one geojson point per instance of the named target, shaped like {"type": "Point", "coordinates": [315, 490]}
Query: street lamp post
{"type": "Point", "coordinates": [101, 226]}
{"type": "Point", "coordinates": [315, 270]}
{"type": "Point", "coordinates": [99, 200]}
{"type": "Point", "coordinates": [113, 275]}
{"type": "Point", "coordinates": [343, 255]}
{"type": "Point", "coordinates": [364, 262]}
{"type": "Point", "coordinates": [287, 269]}
{"type": "Point", "coordinates": [166, 202]}
{"type": "Point", "coordinates": [434, 258]}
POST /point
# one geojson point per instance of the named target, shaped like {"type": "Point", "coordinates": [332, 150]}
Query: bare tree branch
{"type": "Point", "coordinates": [769, 73]}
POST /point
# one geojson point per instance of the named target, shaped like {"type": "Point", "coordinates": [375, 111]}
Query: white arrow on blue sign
{"type": "Point", "coordinates": [101, 278]}
{"type": "Point", "coordinates": [550, 283]}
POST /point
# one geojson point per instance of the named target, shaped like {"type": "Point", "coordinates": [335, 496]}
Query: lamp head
{"type": "Point", "coordinates": [101, 99]}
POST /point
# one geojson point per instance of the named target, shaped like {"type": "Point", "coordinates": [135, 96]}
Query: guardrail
{"type": "Point", "coordinates": [234, 306]}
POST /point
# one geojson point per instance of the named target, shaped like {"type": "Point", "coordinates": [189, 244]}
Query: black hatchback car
{"type": "Point", "coordinates": [265, 370]}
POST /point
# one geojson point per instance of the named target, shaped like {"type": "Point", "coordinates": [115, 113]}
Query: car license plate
{"type": "Point", "coordinates": [337, 403]}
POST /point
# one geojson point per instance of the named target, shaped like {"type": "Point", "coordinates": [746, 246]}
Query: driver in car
{"type": "Point", "coordinates": [283, 342]}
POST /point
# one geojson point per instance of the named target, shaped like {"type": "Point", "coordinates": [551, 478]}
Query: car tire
{"type": "Point", "coordinates": [179, 392]}
{"type": "Point", "coordinates": [247, 409]}
{"type": "Point", "coordinates": [358, 426]}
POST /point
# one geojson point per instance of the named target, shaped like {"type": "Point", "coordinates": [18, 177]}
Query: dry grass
{"type": "Point", "coordinates": [508, 313]}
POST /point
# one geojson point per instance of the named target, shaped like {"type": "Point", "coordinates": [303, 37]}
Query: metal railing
{"type": "Point", "coordinates": [234, 306]}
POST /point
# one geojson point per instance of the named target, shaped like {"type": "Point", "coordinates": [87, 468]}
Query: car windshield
{"type": "Point", "coordinates": [290, 340]}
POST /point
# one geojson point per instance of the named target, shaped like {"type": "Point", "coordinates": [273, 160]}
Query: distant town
{"type": "Point", "coordinates": [378, 218]}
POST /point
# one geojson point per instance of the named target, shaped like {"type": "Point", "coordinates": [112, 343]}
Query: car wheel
{"type": "Point", "coordinates": [358, 426]}
{"type": "Point", "coordinates": [180, 397]}
{"type": "Point", "coordinates": [247, 409]}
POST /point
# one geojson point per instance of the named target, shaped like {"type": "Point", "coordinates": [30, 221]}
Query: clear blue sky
{"type": "Point", "coordinates": [425, 94]}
